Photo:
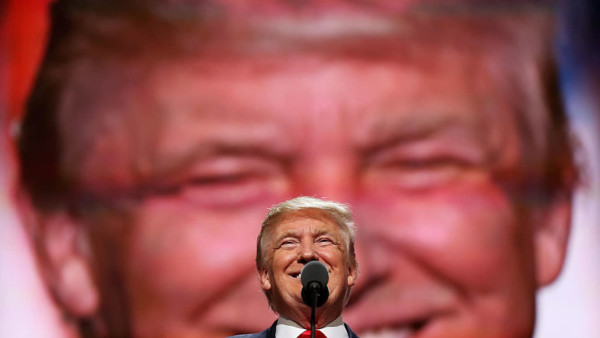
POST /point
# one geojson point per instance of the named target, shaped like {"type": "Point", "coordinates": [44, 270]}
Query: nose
{"type": "Point", "coordinates": [329, 177]}
{"type": "Point", "coordinates": [307, 252]}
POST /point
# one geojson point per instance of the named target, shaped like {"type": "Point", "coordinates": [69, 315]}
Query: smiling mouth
{"type": "Point", "coordinates": [295, 275]}
{"type": "Point", "coordinates": [407, 331]}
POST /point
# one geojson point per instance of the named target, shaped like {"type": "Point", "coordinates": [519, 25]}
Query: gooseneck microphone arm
{"type": "Point", "coordinates": [314, 277]}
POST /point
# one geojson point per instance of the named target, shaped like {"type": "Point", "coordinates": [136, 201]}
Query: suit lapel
{"type": "Point", "coordinates": [271, 330]}
{"type": "Point", "coordinates": [350, 333]}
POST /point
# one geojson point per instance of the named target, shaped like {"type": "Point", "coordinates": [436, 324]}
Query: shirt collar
{"type": "Point", "coordinates": [289, 329]}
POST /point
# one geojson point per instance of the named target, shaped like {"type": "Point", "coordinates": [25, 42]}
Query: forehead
{"type": "Point", "coordinates": [413, 75]}
{"type": "Point", "coordinates": [305, 221]}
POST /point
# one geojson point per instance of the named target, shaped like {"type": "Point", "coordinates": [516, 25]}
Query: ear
{"type": "Point", "coordinates": [64, 252]}
{"type": "Point", "coordinates": [551, 237]}
{"type": "Point", "coordinates": [352, 276]}
{"type": "Point", "coordinates": [265, 281]}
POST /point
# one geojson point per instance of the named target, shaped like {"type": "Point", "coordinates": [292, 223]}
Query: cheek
{"type": "Point", "coordinates": [335, 258]}
{"type": "Point", "coordinates": [175, 249]}
{"type": "Point", "coordinates": [469, 234]}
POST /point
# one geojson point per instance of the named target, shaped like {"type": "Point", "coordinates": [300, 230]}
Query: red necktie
{"type": "Point", "coordinates": [306, 334]}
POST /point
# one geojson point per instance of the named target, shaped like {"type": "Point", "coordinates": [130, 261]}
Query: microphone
{"type": "Point", "coordinates": [314, 277]}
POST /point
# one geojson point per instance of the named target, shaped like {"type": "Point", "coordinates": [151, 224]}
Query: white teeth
{"type": "Point", "coordinates": [388, 333]}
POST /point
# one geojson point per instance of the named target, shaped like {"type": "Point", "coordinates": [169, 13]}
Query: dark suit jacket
{"type": "Point", "coordinates": [270, 333]}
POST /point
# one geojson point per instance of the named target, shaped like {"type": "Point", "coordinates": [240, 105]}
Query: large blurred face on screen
{"type": "Point", "coordinates": [423, 142]}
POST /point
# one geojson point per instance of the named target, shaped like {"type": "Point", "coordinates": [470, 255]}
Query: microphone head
{"type": "Point", "coordinates": [314, 271]}
{"type": "Point", "coordinates": [314, 276]}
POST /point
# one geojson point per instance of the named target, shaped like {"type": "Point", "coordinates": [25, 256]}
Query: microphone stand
{"type": "Point", "coordinates": [314, 287]}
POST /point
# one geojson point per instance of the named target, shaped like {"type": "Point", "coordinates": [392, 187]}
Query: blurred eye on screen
{"type": "Point", "coordinates": [416, 171]}
{"type": "Point", "coordinates": [228, 181]}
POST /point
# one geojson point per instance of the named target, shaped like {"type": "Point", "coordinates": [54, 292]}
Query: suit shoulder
{"type": "Point", "coordinates": [252, 335]}
{"type": "Point", "coordinates": [268, 333]}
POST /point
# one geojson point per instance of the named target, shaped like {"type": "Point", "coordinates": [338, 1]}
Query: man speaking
{"type": "Point", "coordinates": [295, 233]}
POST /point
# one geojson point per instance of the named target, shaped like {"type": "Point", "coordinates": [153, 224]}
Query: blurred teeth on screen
{"type": "Point", "coordinates": [389, 333]}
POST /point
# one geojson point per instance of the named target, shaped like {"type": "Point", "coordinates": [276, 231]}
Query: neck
{"type": "Point", "coordinates": [286, 321]}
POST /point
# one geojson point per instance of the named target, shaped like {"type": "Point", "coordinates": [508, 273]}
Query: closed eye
{"type": "Point", "coordinates": [324, 240]}
{"type": "Point", "coordinates": [434, 158]}
{"type": "Point", "coordinates": [290, 243]}
{"type": "Point", "coordinates": [228, 181]}
{"type": "Point", "coordinates": [416, 171]}
{"type": "Point", "coordinates": [418, 174]}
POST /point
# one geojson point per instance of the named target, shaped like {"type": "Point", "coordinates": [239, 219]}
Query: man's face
{"type": "Point", "coordinates": [425, 148]}
{"type": "Point", "coordinates": [296, 240]}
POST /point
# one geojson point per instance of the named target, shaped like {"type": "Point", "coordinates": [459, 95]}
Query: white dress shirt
{"type": "Point", "coordinates": [290, 329]}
